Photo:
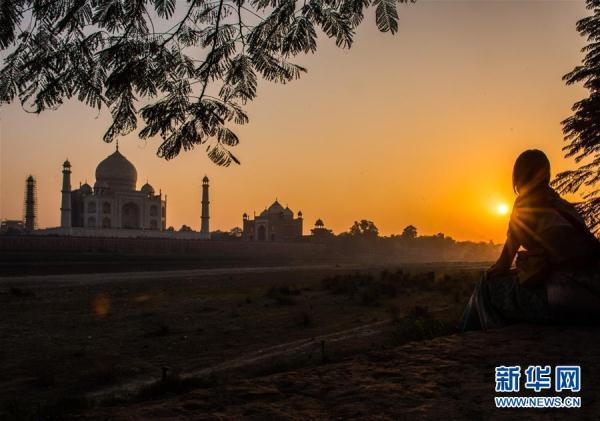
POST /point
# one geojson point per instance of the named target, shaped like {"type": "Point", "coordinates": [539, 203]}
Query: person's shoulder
{"type": "Point", "coordinates": [517, 210]}
{"type": "Point", "coordinates": [521, 202]}
{"type": "Point", "coordinates": [524, 209]}
{"type": "Point", "coordinates": [565, 203]}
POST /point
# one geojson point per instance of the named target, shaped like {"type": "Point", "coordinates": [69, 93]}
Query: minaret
{"type": "Point", "coordinates": [65, 205]}
{"type": "Point", "coordinates": [204, 230]}
{"type": "Point", "coordinates": [30, 204]}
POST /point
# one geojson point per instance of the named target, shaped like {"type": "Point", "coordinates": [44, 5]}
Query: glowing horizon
{"type": "Point", "coordinates": [420, 128]}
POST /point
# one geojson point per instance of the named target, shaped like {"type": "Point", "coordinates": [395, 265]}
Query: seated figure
{"type": "Point", "coordinates": [557, 274]}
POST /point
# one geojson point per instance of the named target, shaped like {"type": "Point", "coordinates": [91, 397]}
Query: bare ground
{"type": "Point", "coordinates": [71, 336]}
{"type": "Point", "coordinates": [449, 377]}
{"type": "Point", "coordinates": [90, 335]}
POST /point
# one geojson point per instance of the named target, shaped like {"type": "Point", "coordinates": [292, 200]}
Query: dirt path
{"type": "Point", "coordinates": [300, 353]}
{"type": "Point", "coordinates": [104, 278]}
{"type": "Point", "coordinates": [101, 278]}
{"type": "Point", "coordinates": [445, 378]}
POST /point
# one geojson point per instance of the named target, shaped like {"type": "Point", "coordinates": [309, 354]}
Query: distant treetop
{"type": "Point", "coordinates": [364, 228]}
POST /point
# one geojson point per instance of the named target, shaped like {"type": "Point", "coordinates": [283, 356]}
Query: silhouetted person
{"type": "Point", "coordinates": [557, 276]}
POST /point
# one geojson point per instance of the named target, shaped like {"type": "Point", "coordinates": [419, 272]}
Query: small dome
{"type": "Point", "coordinates": [85, 188]}
{"type": "Point", "coordinates": [299, 214]}
{"type": "Point", "coordinates": [67, 164]}
{"type": "Point", "coordinates": [147, 189]}
{"type": "Point", "coordinates": [117, 172]}
{"type": "Point", "coordinates": [319, 223]}
{"type": "Point", "coordinates": [205, 179]}
{"type": "Point", "coordinates": [245, 215]}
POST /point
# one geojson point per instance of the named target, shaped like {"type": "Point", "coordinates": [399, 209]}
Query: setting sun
{"type": "Point", "coordinates": [502, 209]}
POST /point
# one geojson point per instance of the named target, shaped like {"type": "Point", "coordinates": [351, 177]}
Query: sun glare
{"type": "Point", "coordinates": [502, 209]}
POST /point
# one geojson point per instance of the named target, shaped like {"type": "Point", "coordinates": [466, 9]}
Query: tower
{"type": "Point", "coordinates": [30, 205]}
{"type": "Point", "coordinates": [65, 204]}
{"type": "Point", "coordinates": [204, 228]}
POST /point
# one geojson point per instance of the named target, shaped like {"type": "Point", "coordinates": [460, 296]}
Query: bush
{"type": "Point", "coordinates": [364, 286]}
{"type": "Point", "coordinates": [283, 295]}
{"type": "Point", "coordinates": [340, 284]}
{"type": "Point", "coordinates": [370, 290]}
{"type": "Point", "coordinates": [418, 325]}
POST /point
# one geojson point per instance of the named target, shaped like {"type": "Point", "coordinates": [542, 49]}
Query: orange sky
{"type": "Point", "coordinates": [419, 128]}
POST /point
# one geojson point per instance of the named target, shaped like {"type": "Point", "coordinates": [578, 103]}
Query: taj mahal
{"type": "Point", "coordinates": [114, 201]}
{"type": "Point", "coordinates": [114, 206]}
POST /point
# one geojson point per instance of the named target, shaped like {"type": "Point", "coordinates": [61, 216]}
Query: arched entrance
{"type": "Point", "coordinates": [130, 216]}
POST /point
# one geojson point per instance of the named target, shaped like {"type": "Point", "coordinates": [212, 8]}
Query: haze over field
{"type": "Point", "coordinates": [419, 128]}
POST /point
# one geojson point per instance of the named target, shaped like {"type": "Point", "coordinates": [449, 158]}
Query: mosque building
{"type": "Point", "coordinates": [275, 223]}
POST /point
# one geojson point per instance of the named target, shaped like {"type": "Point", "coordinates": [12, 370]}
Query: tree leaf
{"type": "Point", "coordinates": [164, 8]}
{"type": "Point", "coordinates": [386, 15]}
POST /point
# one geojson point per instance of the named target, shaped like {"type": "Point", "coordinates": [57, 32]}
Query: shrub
{"type": "Point", "coordinates": [283, 295]}
{"type": "Point", "coordinates": [340, 284]}
{"type": "Point", "coordinates": [419, 324]}
{"type": "Point", "coordinates": [364, 286]}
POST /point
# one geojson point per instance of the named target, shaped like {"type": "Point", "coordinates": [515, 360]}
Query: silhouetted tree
{"type": "Point", "coordinates": [233, 234]}
{"type": "Point", "coordinates": [582, 129]}
{"type": "Point", "coordinates": [191, 64]}
{"type": "Point", "coordinates": [409, 233]}
{"type": "Point", "coordinates": [364, 228]}
{"type": "Point", "coordinates": [236, 232]}
{"type": "Point", "coordinates": [185, 228]}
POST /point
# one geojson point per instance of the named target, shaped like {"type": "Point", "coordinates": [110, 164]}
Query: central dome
{"type": "Point", "coordinates": [275, 207]}
{"type": "Point", "coordinates": [117, 172]}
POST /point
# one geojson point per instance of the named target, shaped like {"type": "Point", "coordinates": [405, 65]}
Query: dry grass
{"type": "Point", "coordinates": [58, 342]}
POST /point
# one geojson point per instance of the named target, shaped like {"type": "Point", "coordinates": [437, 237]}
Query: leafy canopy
{"type": "Point", "coordinates": [185, 67]}
{"type": "Point", "coordinates": [409, 232]}
{"type": "Point", "coordinates": [364, 228]}
{"type": "Point", "coordinates": [582, 129]}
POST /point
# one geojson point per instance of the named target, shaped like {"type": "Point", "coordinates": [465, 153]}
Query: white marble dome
{"type": "Point", "coordinates": [117, 172]}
